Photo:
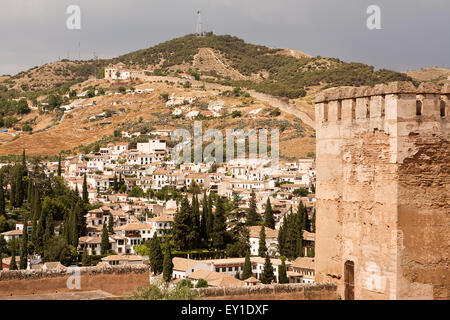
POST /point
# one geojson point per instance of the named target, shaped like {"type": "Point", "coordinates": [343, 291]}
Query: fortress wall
{"type": "Point", "coordinates": [117, 280]}
{"type": "Point", "coordinates": [298, 291]}
{"type": "Point", "coordinates": [382, 189]}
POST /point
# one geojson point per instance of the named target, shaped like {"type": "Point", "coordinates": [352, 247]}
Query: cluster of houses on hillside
{"type": "Point", "coordinates": [137, 219]}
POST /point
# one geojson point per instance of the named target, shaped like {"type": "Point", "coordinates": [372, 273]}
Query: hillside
{"type": "Point", "coordinates": [430, 74]}
{"type": "Point", "coordinates": [219, 63]}
{"type": "Point", "coordinates": [82, 129]}
{"type": "Point", "coordinates": [225, 59]}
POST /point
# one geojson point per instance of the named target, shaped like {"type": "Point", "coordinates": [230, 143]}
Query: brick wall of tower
{"type": "Point", "coordinates": [383, 190]}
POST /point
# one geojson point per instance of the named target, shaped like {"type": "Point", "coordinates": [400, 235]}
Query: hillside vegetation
{"type": "Point", "coordinates": [260, 68]}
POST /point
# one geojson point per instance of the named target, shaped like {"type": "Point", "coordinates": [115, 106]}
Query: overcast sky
{"type": "Point", "coordinates": [414, 34]}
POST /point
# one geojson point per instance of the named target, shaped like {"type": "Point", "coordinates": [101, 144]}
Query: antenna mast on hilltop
{"type": "Point", "coordinates": [199, 30]}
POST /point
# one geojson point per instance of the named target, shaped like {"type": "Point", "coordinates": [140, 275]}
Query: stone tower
{"type": "Point", "coordinates": [383, 191]}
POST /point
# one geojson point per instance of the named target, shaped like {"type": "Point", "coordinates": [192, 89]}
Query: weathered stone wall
{"type": "Point", "coordinates": [117, 280]}
{"type": "Point", "coordinates": [383, 190]}
{"type": "Point", "coordinates": [298, 291]}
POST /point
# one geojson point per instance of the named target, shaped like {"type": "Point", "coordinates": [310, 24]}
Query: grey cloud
{"type": "Point", "coordinates": [414, 31]}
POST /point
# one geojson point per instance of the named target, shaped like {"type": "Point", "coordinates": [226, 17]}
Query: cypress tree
{"type": "Point", "coordinates": [30, 192]}
{"type": "Point", "coordinates": [80, 213]}
{"type": "Point", "coordinates": [282, 273]}
{"type": "Point", "coordinates": [267, 276]}
{"type": "Point", "coordinates": [182, 229]}
{"type": "Point", "coordinates": [282, 236]}
{"type": "Point", "coordinates": [262, 249]}
{"type": "Point", "coordinates": [104, 246]}
{"type": "Point", "coordinates": [196, 221]}
{"type": "Point", "coordinates": [59, 165]}
{"type": "Point", "coordinates": [203, 221]}
{"type": "Point", "coordinates": [110, 224]}
{"type": "Point", "coordinates": [237, 275]}
{"type": "Point", "coordinates": [252, 215]}
{"type": "Point", "coordinates": [41, 232]}
{"type": "Point", "coordinates": [34, 228]}
{"type": "Point", "coordinates": [23, 248]}
{"type": "Point", "coordinates": [269, 220]}
{"type": "Point", "coordinates": [156, 256]}
{"type": "Point", "coordinates": [13, 264]}
{"type": "Point", "coordinates": [24, 160]}
{"type": "Point", "coordinates": [84, 258]}
{"type": "Point", "coordinates": [2, 198]}
{"type": "Point", "coordinates": [247, 270]}
{"type": "Point", "coordinates": [37, 207]}
{"type": "Point", "coordinates": [219, 226]}
{"type": "Point", "coordinates": [1, 253]}
{"type": "Point", "coordinates": [49, 228]}
{"type": "Point", "coordinates": [115, 185]}
{"type": "Point", "coordinates": [19, 194]}
{"type": "Point", "coordinates": [313, 221]}
{"type": "Point", "coordinates": [167, 264]}
{"type": "Point", "coordinates": [85, 190]}
{"type": "Point", "coordinates": [12, 193]}
{"type": "Point", "coordinates": [210, 217]}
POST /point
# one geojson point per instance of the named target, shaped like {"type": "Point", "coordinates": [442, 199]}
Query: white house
{"type": "Point", "coordinates": [271, 240]}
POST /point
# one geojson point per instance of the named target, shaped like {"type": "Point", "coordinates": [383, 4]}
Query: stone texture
{"type": "Point", "coordinates": [383, 188]}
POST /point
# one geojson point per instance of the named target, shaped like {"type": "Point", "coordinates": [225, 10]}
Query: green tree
{"type": "Point", "coordinates": [313, 221]}
{"type": "Point", "coordinates": [24, 246]}
{"type": "Point", "coordinates": [210, 217]}
{"type": "Point", "coordinates": [13, 264]}
{"type": "Point", "coordinates": [105, 245]}
{"type": "Point", "coordinates": [219, 226]}
{"type": "Point", "coordinates": [252, 215]}
{"type": "Point", "coordinates": [196, 221]}
{"type": "Point", "coordinates": [282, 273]}
{"type": "Point", "coordinates": [167, 264]}
{"type": "Point", "coordinates": [20, 192]}
{"type": "Point", "coordinates": [269, 220]}
{"type": "Point", "coordinates": [182, 229]}
{"type": "Point", "coordinates": [115, 183]}
{"type": "Point", "coordinates": [262, 249]}
{"type": "Point", "coordinates": [59, 165]}
{"type": "Point", "coordinates": [111, 224]}
{"type": "Point", "coordinates": [85, 258]}
{"type": "Point", "coordinates": [156, 256]}
{"type": "Point", "coordinates": [204, 218]}
{"type": "Point", "coordinates": [247, 269]}
{"type": "Point", "coordinates": [2, 198]}
{"type": "Point", "coordinates": [267, 276]}
{"type": "Point", "coordinates": [85, 190]}
{"type": "Point", "coordinates": [201, 283]}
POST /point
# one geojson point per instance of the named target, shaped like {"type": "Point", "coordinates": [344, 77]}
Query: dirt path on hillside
{"type": "Point", "coordinates": [284, 106]}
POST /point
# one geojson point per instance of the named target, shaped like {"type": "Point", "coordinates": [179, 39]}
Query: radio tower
{"type": "Point", "coordinates": [199, 30]}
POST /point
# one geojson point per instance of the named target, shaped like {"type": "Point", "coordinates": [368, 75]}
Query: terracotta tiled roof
{"type": "Point", "coordinates": [134, 226]}
{"type": "Point", "coordinates": [161, 219]}
{"type": "Point", "coordinates": [303, 262]}
{"type": "Point", "coordinates": [183, 264]}
{"type": "Point", "coordinates": [270, 233]}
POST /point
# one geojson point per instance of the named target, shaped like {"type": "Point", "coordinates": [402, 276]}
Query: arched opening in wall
{"type": "Point", "coordinates": [339, 110]}
{"type": "Point", "coordinates": [419, 107]}
{"type": "Point", "coordinates": [349, 280]}
{"type": "Point", "coordinates": [325, 112]}
{"type": "Point", "coordinates": [353, 109]}
{"type": "Point", "coordinates": [383, 105]}
{"type": "Point", "coordinates": [442, 108]}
